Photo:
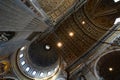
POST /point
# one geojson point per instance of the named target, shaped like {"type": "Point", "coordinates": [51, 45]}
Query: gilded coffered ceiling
{"type": "Point", "coordinates": [56, 8]}
{"type": "Point", "coordinates": [72, 31]}
{"type": "Point", "coordinates": [83, 29]}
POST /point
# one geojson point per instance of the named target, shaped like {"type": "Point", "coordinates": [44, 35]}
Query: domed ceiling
{"type": "Point", "coordinates": [108, 66]}
{"type": "Point", "coordinates": [85, 27]}
{"type": "Point", "coordinates": [76, 35]}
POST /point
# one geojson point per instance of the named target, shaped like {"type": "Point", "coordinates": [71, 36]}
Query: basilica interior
{"type": "Point", "coordinates": [59, 39]}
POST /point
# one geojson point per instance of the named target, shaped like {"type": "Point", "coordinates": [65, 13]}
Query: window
{"type": "Point", "coordinates": [116, 1]}
{"type": "Point", "coordinates": [23, 62]}
{"type": "Point", "coordinates": [117, 20]}
{"type": "Point", "coordinates": [41, 74]}
{"type": "Point", "coordinates": [34, 72]}
{"type": "Point", "coordinates": [22, 48]}
{"type": "Point", "coordinates": [21, 55]}
{"type": "Point", "coordinates": [27, 69]}
{"type": "Point", "coordinates": [47, 47]}
{"type": "Point", "coordinates": [49, 73]}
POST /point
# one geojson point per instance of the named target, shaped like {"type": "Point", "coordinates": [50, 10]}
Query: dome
{"type": "Point", "coordinates": [38, 61]}
{"type": "Point", "coordinates": [108, 66]}
{"type": "Point", "coordinates": [41, 55]}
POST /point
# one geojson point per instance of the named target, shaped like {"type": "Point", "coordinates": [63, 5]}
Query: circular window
{"type": "Point", "coordinates": [47, 47]}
